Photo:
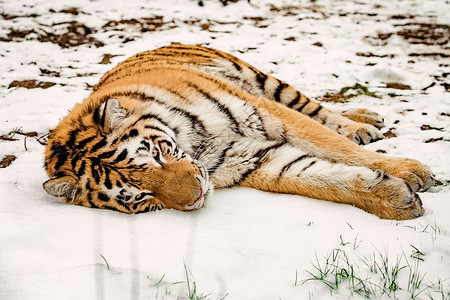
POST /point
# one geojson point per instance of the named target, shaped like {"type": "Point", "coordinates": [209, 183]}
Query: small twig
{"type": "Point", "coordinates": [4, 138]}
{"type": "Point", "coordinates": [41, 140]}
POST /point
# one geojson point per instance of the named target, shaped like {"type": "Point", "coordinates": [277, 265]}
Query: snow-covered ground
{"type": "Point", "coordinates": [244, 244]}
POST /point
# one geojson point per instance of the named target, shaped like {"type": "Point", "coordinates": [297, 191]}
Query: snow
{"type": "Point", "coordinates": [244, 244]}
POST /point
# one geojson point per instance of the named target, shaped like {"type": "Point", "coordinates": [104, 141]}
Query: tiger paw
{"type": "Point", "coordinates": [360, 133]}
{"type": "Point", "coordinates": [363, 115]}
{"type": "Point", "coordinates": [395, 199]}
{"type": "Point", "coordinates": [418, 176]}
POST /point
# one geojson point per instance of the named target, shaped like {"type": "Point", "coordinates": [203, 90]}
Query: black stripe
{"type": "Point", "coordinates": [303, 105]}
{"type": "Point", "coordinates": [73, 135]}
{"type": "Point", "coordinates": [150, 117]}
{"type": "Point", "coordinates": [157, 157]}
{"type": "Point", "coordinates": [287, 166]}
{"type": "Point", "coordinates": [155, 128]}
{"type": "Point", "coordinates": [154, 138]}
{"type": "Point", "coordinates": [171, 54]}
{"type": "Point", "coordinates": [89, 197]}
{"type": "Point", "coordinates": [168, 143]}
{"type": "Point", "coordinates": [146, 209]}
{"type": "Point", "coordinates": [124, 137]}
{"type": "Point", "coordinates": [80, 171]}
{"type": "Point", "coordinates": [260, 155]}
{"type": "Point", "coordinates": [263, 152]}
{"type": "Point", "coordinates": [295, 101]}
{"type": "Point", "coordinates": [218, 53]}
{"type": "Point", "coordinates": [309, 166]}
{"type": "Point", "coordinates": [83, 143]}
{"type": "Point", "coordinates": [103, 197]}
{"type": "Point", "coordinates": [280, 88]}
{"type": "Point", "coordinates": [261, 79]}
{"type": "Point", "coordinates": [61, 153]}
{"type": "Point", "coordinates": [146, 144]}
{"type": "Point", "coordinates": [121, 156]}
{"type": "Point", "coordinates": [95, 174]}
{"type": "Point", "coordinates": [103, 118]}
{"type": "Point", "coordinates": [222, 108]}
{"type": "Point", "coordinates": [107, 154]}
{"type": "Point", "coordinates": [99, 145]}
{"type": "Point", "coordinates": [122, 178]}
{"type": "Point", "coordinates": [124, 205]}
{"type": "Point", "coordinates": [197, 125]}
{"type": "Point", "coordinates": [134, 206]}
{"type": "Point", "coordinates": [221, 159]}
{"type": "Point", "coordinates": [134, 132]}
{"type": "Point", "coordinates": [107, 181]}
{"type": "Point", "coordinates": [96, 117]}
{"type": "Point", "coordinates": [315, 112]}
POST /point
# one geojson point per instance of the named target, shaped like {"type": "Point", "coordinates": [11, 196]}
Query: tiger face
{"type": "Point", "coordinates": [128, 162]}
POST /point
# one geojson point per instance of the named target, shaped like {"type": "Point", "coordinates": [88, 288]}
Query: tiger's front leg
{"type": "Point", "coordinates": [291, 170]}
{"type": "Point", "coordinates": [305, 133]}
{"type": "Point", "coordinates": [361, 126]}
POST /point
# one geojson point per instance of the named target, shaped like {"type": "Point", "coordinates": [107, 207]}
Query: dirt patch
{"type": "Point", "coordinates": [141, 25]}
{"type": "Point", "coordinates": [401, 17]}
{"type": "Point", "coordinates": [427, 34]}
{"type": "Point", "coordinates": [428, 127]}
{"type": "Point", "coordinates": [348, 92]}
{"type": "Point", "coordinates": [381, 39]}
{"type": "Point", "coordinates": [7, 161]}
{"type": "Point", "coordinates": [390, 133]}
{"type": "Point", "coordinates": [258, 22]}
{"type": "Point", "coordinates": [224, 2]}
{"type": "Point", "coordinates": [12, 17]}
{"type": "Point", "coordinates": [397, 86]}
{"type": "Point", "coordinates": [50, 73]}
{"type": "Point", "coordinates": [370, 54]}
{"type": "Point", "coordinates": [415, 33]}
{"type": "Point", "coordinates": [66, 35]}
{"type": "Point", "coordinates": [430, 54]}
{"type": "Point", "coordinates": [31, 84]}
{"type": "Point", "coordinates": [433, 140]}
{"type": "Point", "coordinates": [73, 11]}
{"type": "Point", "coordinates": [294, 10]}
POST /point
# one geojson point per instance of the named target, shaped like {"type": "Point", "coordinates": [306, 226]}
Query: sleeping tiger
{"type": "Point", "coordinates": [165, 127]}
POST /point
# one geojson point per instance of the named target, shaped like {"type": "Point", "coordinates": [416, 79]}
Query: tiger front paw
{"type": "Point", "coordinates": [360, 133]}
{"type": "Point", "coordinates": [418, 176]}
{"type": "Point", "coordinates": [395, 199]}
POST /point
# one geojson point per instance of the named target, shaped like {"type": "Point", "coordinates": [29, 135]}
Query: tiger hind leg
{"type": "Point", "coordinates": [290, 170]}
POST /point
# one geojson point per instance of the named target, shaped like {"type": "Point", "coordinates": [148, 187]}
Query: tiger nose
{"type": "Point", "coordinates": [181, 186]}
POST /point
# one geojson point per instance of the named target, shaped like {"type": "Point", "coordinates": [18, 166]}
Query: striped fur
{"type": "Point", "coordinates": [165, 126]}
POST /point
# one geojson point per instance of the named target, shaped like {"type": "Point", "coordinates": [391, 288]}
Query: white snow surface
{"type": "Point", "coordinates": [244, 244]}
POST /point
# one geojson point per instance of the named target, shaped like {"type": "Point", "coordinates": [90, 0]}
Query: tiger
{"type": "Point", "coordinates": [166, 127]}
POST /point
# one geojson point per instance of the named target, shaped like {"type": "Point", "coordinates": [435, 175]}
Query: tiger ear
{"type": "Point", "coordinates": [61, 187]}
{"type": "Point", "coordinates": [110, 115]}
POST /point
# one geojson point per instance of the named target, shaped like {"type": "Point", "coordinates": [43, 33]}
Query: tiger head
{"type": "Point", "coordinates": [107, 156]}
